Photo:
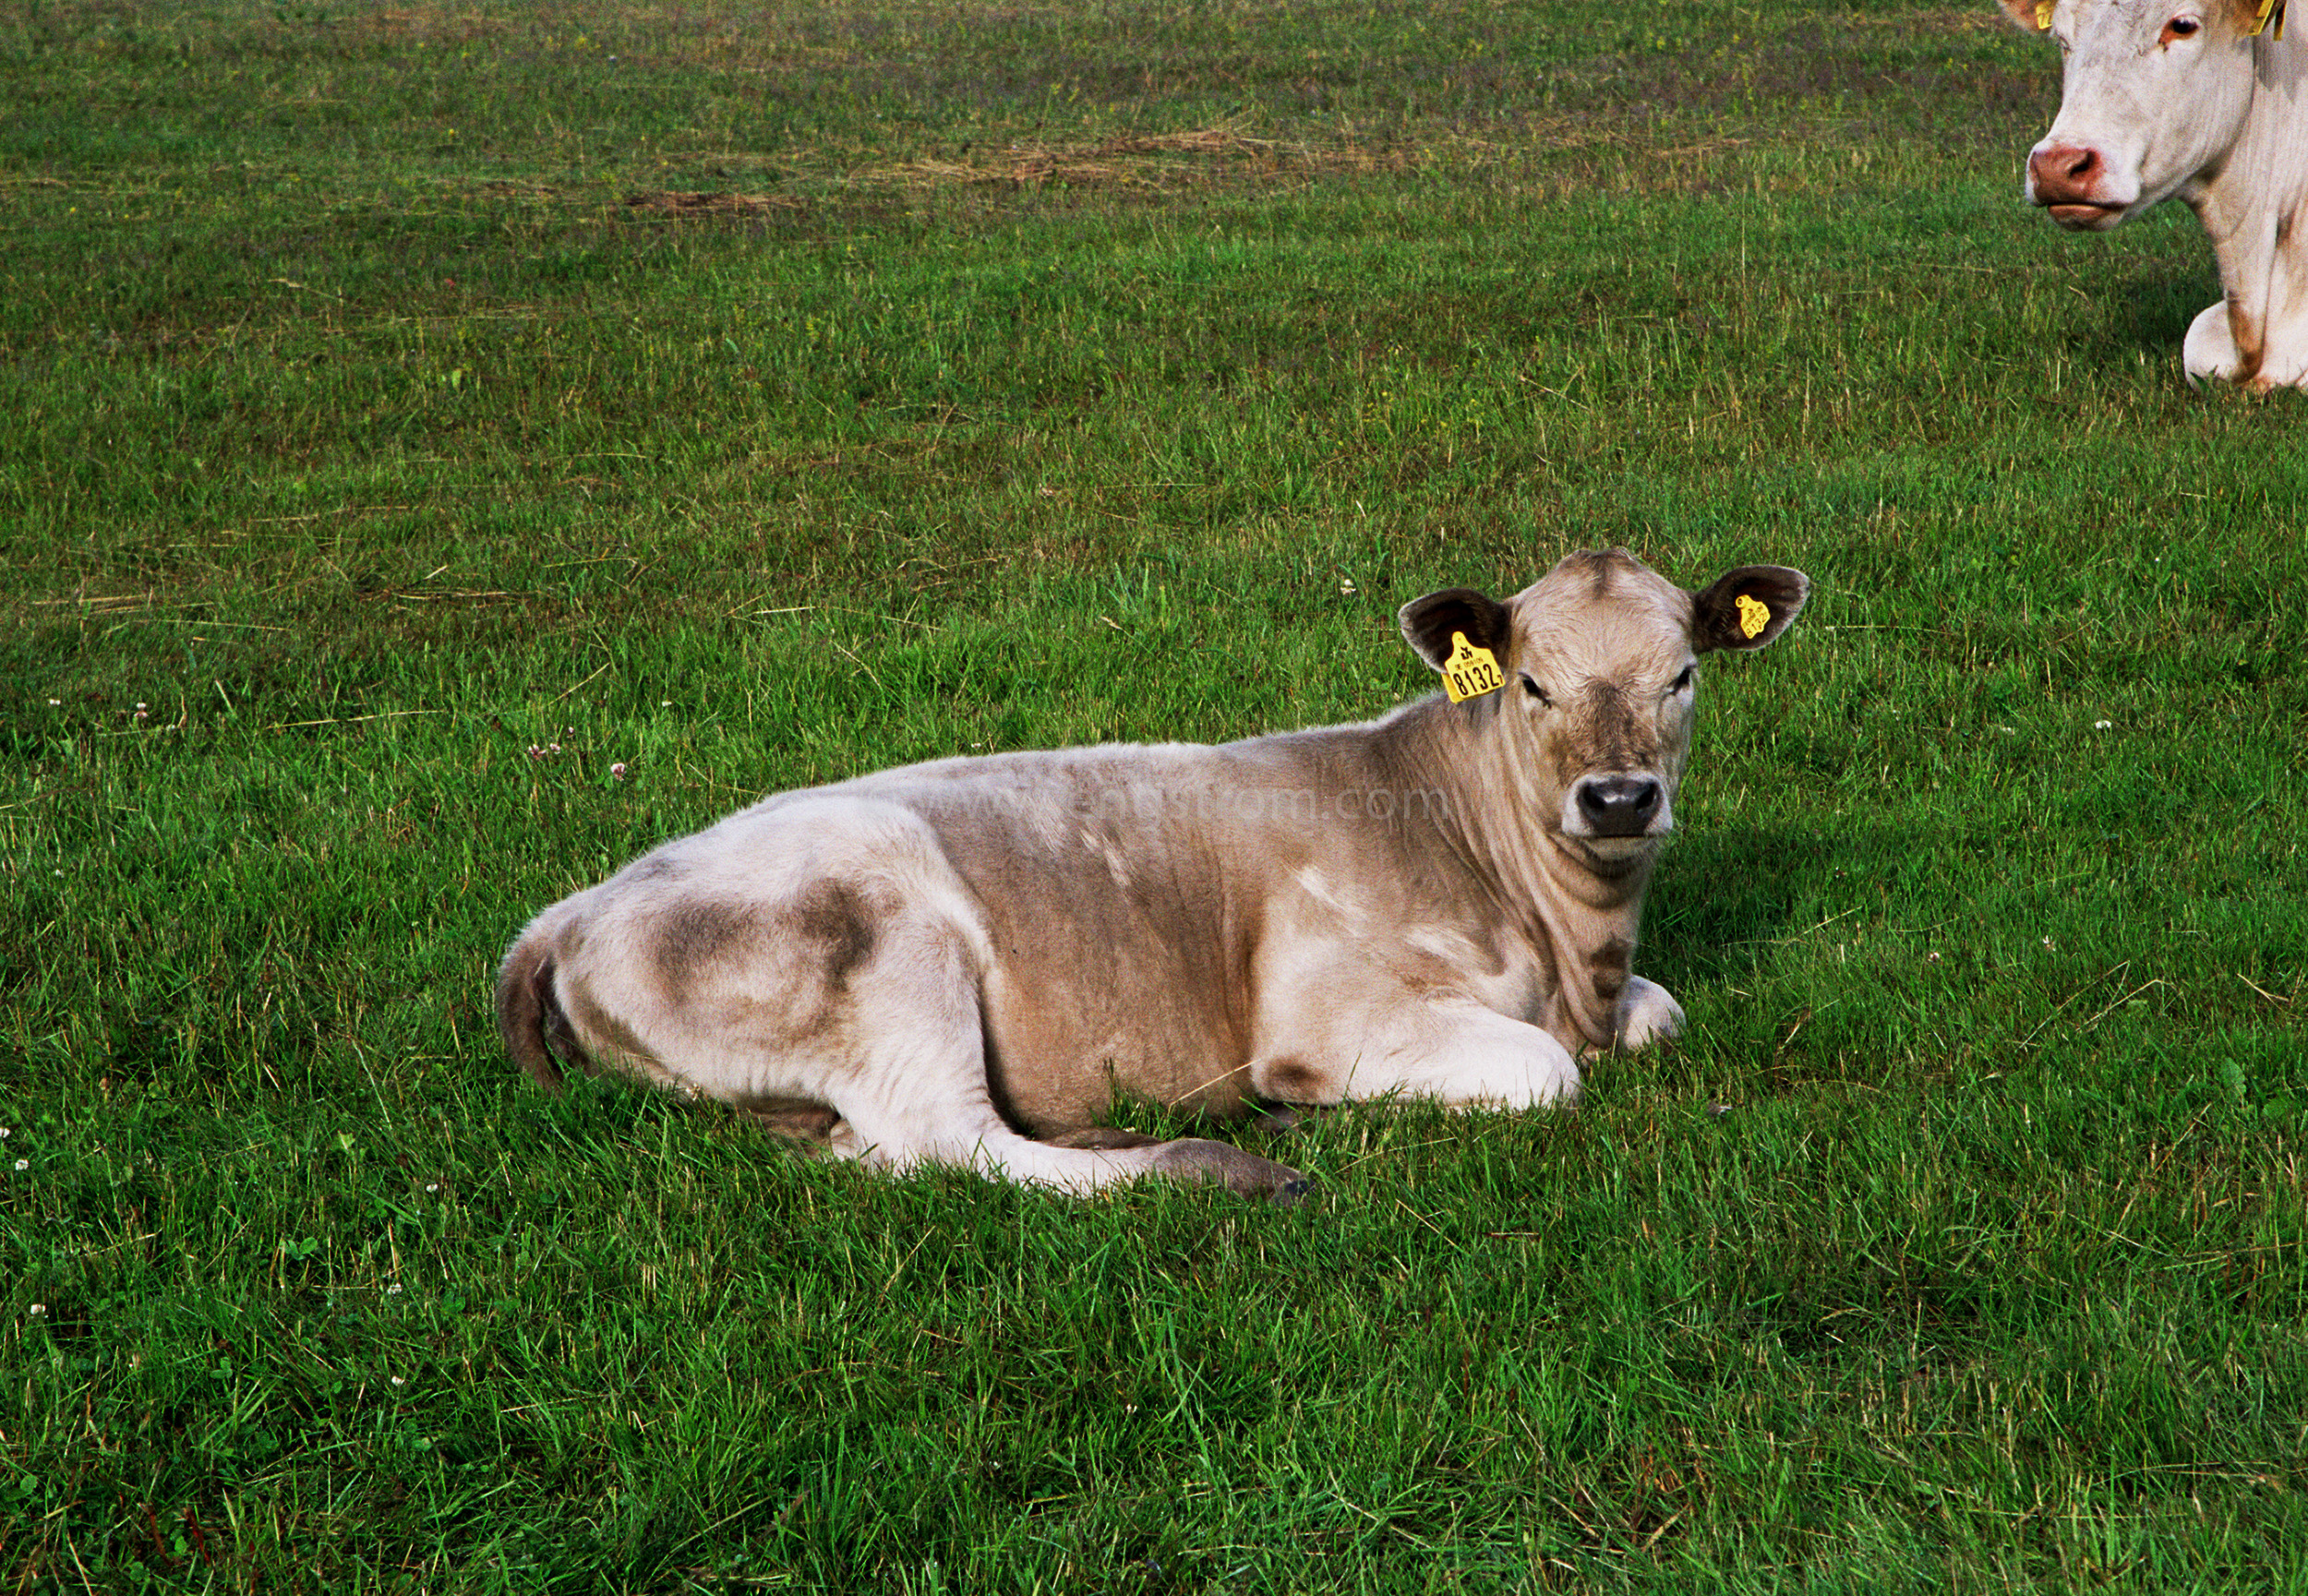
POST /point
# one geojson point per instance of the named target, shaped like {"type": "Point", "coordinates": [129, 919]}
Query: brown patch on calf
{"type": "Point", "coordinates": [1609, 966]}
{"type": "Point", "coordinates": [698, 932]}
{"type": "Point", "coordinates": [794, 1117]}
{"type": "Point", "coordinates": [698, 936]}
{"type": "Point", "coordinates": [1288, 1080]}
{"type": "Point", "coordinates": [832, 913]}
{"type": "Point", "coordinates": [2250, 341]}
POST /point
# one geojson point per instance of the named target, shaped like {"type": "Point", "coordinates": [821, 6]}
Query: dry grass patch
{"type": "Point", "coordinates": [1142, 160]}
{"type": "Point", "coordinates": [684, 202]}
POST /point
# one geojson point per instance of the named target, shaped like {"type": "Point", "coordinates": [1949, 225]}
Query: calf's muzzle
{"type": "Point", "coordinates": [1619, 806]}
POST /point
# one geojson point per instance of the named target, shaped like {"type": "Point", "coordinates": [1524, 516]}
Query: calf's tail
{"type": "Point", "coordinates": [527, 1008]}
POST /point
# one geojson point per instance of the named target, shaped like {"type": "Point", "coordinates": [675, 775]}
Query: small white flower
{"type": "Point", "coordinates": [2047, 942]}
{"type": "Point", "coordinates": [432, 1185]}
{"type": "Point", "coordinates": [399, 1381]}
{"type": "Point", "coordinates": [6, 1132]}
{"type": "Point", "coordinates": [1346, 586]}
{"type": "Point", "coordinates": [665, 704]}
{"type": "Point", "coordinates": [54, 701]}
{"type": "Point", "coordinates": [616, 770]}
{"type": "Point", "coordinates": [39, 1310]}
{"type": "Point", "coordinates": [2102, 724]}
{"type": "Point", "coordinates": [22, 1164]}
{"type": "Point", "coordinates": [394, 1290]}
{"type": "Point", "coordinates": [140, 703]}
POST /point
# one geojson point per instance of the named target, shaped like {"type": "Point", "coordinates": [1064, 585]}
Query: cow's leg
{"type": "Point", "coordinates": [1647, 1013]}
{"type": "Point", "coordinates": [1460, 1054]}
{"type": "Point", "coordinates": [2209, 353]}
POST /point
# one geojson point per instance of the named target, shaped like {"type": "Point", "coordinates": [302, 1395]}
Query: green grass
{"type": "Point", "coordinates": [365, 432]}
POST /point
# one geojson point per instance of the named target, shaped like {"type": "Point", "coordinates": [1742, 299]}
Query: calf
{"type": "Point", "coordinates": [963, 962]}
{"type": "Point", "coordinates": [2206, 102]}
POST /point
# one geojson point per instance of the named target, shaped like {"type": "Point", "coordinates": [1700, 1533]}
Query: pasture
{"type": "Point", "coordinates": [449, 450]}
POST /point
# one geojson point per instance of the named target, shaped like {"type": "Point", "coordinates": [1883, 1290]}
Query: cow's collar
{"type": "Point", "coordinates": [2269, 10]}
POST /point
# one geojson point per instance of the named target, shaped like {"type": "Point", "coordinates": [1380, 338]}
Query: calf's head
{"type": "Point", "coordinates": [1600, 662]}
{"type": "Point", "coordinates": [2153, 95]}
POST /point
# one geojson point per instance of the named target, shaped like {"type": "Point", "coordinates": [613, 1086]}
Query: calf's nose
{"type": "Point", "coordinates": [2065, 173]}
{"type": "Point", "coordinates": [1619, 806]}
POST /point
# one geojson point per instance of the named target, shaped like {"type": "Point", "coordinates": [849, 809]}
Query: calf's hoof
{"type": "Point", "coordinates": [1220, 1163]}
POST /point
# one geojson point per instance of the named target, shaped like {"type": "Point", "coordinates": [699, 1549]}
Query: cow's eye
{"type": "Point", "coordinates": [1535, 691]}
{"type": "Point", "coordinates": [2183, 27]}
{"type": "Point", "coordinates": [1684, 680]}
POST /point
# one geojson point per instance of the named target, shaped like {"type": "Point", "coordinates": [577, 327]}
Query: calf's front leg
{"type": "Point", "coordinates": [1460, 1054]}
{"type": "Point", "coordinates": [1646, 1013]}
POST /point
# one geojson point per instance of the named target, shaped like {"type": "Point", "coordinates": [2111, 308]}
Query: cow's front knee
{"type": "Point", "coordinates": [1646, 1015]}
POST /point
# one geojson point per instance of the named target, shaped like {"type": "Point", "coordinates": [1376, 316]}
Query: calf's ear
{"type": "Point", "coordinates": [1428, 623]}
{"type": "Point", "coordinates": [1748, 607]}
{"type": "Point", "coordinates": [2033, 14]}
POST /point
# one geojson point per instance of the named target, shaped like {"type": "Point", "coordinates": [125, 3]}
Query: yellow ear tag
{"type": "Point", "coordinates": [2043, 14]}
{"type": "Point", "coordinates": [1754, 615]}
{"type": "Point", "coordinates": [1469, 672]}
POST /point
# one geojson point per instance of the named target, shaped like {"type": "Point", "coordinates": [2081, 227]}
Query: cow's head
{"type": "Point", "coordinates": [1600, 658]}
{"type": "Point", "coordinates": [2154, 94]}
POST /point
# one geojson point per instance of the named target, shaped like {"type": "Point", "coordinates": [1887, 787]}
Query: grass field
{"type": "Point", "coordinates": [414, 413]}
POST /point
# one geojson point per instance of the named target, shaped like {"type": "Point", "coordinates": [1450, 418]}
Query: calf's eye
{"type": "Point", "coordinates": [1682, 682]}
{"type": "Point", "coordinates": [1535, 691]}
{"type": "Point", "coordinates": [2181, 28]}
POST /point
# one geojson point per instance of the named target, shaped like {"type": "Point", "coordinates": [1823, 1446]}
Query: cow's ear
{"type": "Point", "coordinates": [1428, 623]}
{"type": "Point", "coordinates": [2033, 14]}
{"type": "Point", "coordinates": [1748, 607]}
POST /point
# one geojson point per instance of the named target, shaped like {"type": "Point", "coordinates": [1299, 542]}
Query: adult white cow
{"type": "Point", "coordinates": [2205, 102]}
{"type": "Point", "coordinates": [963, 962]}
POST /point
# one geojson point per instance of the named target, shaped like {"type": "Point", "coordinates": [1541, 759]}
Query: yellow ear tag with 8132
{"type": "Point", "coordinates": [1754, 615]}
{"type": "Point", "coordinates": [1469, 672]}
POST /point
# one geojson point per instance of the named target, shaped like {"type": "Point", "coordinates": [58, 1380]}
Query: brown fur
{"type": "Point", "coordinates": [697, 933]}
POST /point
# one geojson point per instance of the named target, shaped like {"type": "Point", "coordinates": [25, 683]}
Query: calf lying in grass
{"type": "Point", "coordinates": [962, 962]}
